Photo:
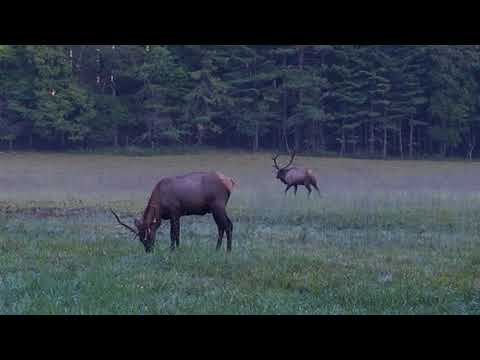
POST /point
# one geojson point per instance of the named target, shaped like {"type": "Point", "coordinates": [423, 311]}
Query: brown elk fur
{"type": "Point", "coordinates": [295, 176]}
{"type": "Point", "coordinates": [197, 193]}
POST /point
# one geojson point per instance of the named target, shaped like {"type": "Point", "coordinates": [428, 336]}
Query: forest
{"type": "Point", "coordinates": [375, 101]}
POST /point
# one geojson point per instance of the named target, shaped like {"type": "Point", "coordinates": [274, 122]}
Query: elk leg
{"type": "Point", "coordinates": [178, 234]}
{"type": "Point", "coordinates": [309, 190]}
{"type": "Point", "coordinates": [221, 232]}
{"type": "Point", "coordinates": [223, 224]}
{"type": "Point", "coordinates": [296, 188]}
{"type": "Point", "coordinates": [288, 188]}
{"type": "Point", "coordinates": [316, 187]}
{"type": "Point", "coordinates": [174, 232]}
{"type": "Point", "coordinates": [229, 234]}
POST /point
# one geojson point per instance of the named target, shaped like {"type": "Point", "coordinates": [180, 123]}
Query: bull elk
{"type": "Point", "coordinates": [197, 193]}
{"type": "Point", "coordinates": [295, 176]}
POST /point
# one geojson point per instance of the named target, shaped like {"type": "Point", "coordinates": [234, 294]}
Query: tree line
{"type": "Point", "coordinates": [406, 101]}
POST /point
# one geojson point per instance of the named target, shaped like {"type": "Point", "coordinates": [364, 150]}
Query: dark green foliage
{"type": "Point", "coordinates": [377, 100]}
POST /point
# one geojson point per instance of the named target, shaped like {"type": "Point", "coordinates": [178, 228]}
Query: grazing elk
{"type": "Point", "coordinates": [295, 176]}
{"type": "Point", "coordinates": [197, 193]}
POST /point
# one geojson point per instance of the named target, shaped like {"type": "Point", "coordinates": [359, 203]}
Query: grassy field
{"type": "Point", "coordinates": [385, 237]}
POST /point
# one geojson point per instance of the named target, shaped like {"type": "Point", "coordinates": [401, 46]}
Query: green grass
{"type": "Point", "coordinates": [351, 251]}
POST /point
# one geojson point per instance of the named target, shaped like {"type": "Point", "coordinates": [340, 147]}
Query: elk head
{"type": "Point", "coordinates": [282, 171]}
{"type": "Point", "coordinates": [145, 231]}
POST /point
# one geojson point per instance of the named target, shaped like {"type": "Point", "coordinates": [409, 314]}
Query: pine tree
{"type": "Point", "coordinates": [207, 101]}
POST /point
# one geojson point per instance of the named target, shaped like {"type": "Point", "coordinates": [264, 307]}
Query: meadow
{"type": "Point", "coordinates": [384, 237]}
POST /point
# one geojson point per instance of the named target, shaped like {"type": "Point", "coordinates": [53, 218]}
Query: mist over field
{"type": "Point", "coordinates": [121, 176]}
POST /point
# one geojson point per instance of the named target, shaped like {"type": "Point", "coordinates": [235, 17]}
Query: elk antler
{"type": "Point", "coordinates": [291, 160]}
{"type": "Point", "coordinates": [121, 223]}
{"type": "Point", "coordinates": [284, 167]}
{"type": "Point", "coordinates": [275, 165]}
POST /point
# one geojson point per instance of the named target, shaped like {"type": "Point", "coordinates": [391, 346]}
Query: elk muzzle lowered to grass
{"type": "Point", "coordinates": [145, 234]}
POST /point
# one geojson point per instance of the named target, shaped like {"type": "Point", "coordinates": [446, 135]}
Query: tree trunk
{"type": "Point", "coordinates": [343, 140]}
{"type": "Point", "coordinates": [115, 127]}
{"type": "Point", "coordinates": [199, 138]}
{"type": "Point", "coordinates": [410, 142]}
{"type": "Point", "coordinates": [400, 140]}
{"type": "Point", "coordinates": [313, 138]}
{"type": "Point", "coordinates": [297, 137]}
{"type": "Point", "coordinates": [284, 120]}
{"type": "Point", "coordinates": [80, 56]}
{"type": "Point", "coordinates": [394, 143]}
{"type": "Point", "coordinates": [279, 138]}
{"type": "Point", "coordinates": [256, 139]}
{"type": "Point", "coordinates": [471, 147]}
{"type": "Point", "coordinates": [385, 138]}
{"type": "Point", "coordinates": [285, 108]}
{"type": "Point", "coordinates": [364, 137]}
{"type": "Point", "coordinates": [30, 141]}
{"type": "Point", "coordinates": [10, 144]}
{"type": "Point", "coordinates": [469, 153]}
{"type": "Point", "coordinates": [443, 149]}
{"type": "Point", "coordinates": [444, 146]}
{"type": "Point", "coordinates": [371, 140]}
{"type": "Point", "coordinates": [62, 139]}
{"type": "Point", "coordinates": [301, 56]}
{"type": "Point", "coordinates": [430, 144]}
{"type": "Point", "coordinates": [322, 138]}
{"type": "Point", "coordinates": [298, 134]}
{"type": "Point", "coordinates": [371, 136]}
{"type": "Point", "coordinates": [150, 133]}
{"type": "Point", "coordinates": [126, 141]}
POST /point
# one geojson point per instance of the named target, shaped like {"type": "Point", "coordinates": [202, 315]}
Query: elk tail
{"type": "Point", "coordinates": [227, 181]}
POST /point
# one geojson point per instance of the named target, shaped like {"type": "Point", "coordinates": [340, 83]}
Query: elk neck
{"type": "Point", "coordinates": [151, 213]}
